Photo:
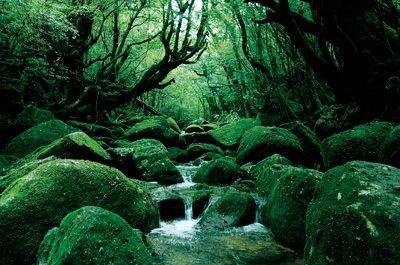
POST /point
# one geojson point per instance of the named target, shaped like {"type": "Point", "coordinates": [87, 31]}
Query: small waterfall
{"type": "Point", "coordinates": [259, 203]}
{"type": "Point", "coordinates": [188, 208]}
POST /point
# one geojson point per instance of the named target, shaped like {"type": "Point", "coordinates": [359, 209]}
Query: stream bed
{"type": "Point", "coordinates": [182, 241]}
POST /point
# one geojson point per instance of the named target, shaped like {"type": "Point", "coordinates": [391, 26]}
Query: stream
{"type": "Point", "coordinates": [182, 241]}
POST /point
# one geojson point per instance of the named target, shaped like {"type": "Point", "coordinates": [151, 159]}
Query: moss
{"type": "Point", "coordinates": [178, 155]}
{"type": "Point", "coordinates": [229, 135]}
{"type": "Point", "coordinates": [91, 129]}
{"type": "Point", "coordinates": [6, 162]}
{"type": "Point", "coordinates": [32, 116]}
{"type": "Point", "coordinates": [155, 128]}
{"type": "Point", "coordinates": [232, 209]}
{"type": "Point", "coordinates": [267, 180]}
{"type": "Point", "coordinates": [260, 142]}
{"type": "Point", "coordinates": [76, 145]}
{"type": "Point", "coordinates": [193, 128]}
{"type": "Point", "coordinates": [391, 148]}
{"type": "Point", "coordinates": [286, 206]}
{"type": "Point", "coordinates": [32, 205]}
{"type": "Point", "coordinates": [363, 142]}
{"type": "Point", "coordinates": [37, 136]}
{"type": "Point", "coordinates": [354, 217]}
{"type": "Point", "coordinates": [222, 171]}
{"type": "Point", "coordinates": [92, 235]}
{"type": "Point", "coordinates": [258, 170]}
{"type": "Point", "coordinates": [196, 150]}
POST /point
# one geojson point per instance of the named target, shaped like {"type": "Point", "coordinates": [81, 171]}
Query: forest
{"type": "Point", "coordinates": [197, 132]}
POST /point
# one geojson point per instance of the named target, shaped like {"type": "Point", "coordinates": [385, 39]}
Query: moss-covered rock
{"type": "Point", "coordinates": [261, 142]}
{"type": "Point", "coordinates": [391, 148]}
{"type": "Point", "coordinates": [76, 145]}
{"type": "Point", "coordinates": [35, 203]}
{"type": "Point", "coordinates": [363, 142]}
{"type": "Point", "coordinates": [37, 136]}
{"type": "Point", "coordinates": [174, 125]}
{"type": "Point", "coordinates": [222, 171]}
{"type": "Point", "coordinates": [32, 116]}
{"type": "Point", "coordinates": [354, 217]}
{"type": "Point", "coordinates": [5, 163]}
{"type": "Point", "coordinates": [209, 126]}
{"type": "Point", "coordinates": [147, 159]}
{"type": "Point", "coordinates": [309, 140]}
{"type": "Point", "coordinates": [91, 128]}
{"type": "Point", "coordinates": [92, 235]}
{"type": "Point", "coordinates": [232, 209]}
{"type": "Point", "coordinates": [154, 128]}
{"type": "Point", "coordinates": [196, 150]}
{"type": "Point", "coordinates": [178, 155]}
{"type": "Point", "coordinates": [257, 170]}
{"type": "Point", "coordinates": [229, 135]}
{"type": "Point", "coordinates": [268, 178]}
{"type": "Point", "coordinates": [286, 206]}
{"type": "Point", "coordinates": [192, 128]}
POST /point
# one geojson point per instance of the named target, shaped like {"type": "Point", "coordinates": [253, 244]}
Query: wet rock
{"type": "Point", "coordinates": [354, 217]}
{"type": "Point", "coordinates": [222, 171]}
{"type": "Point", "coordinates": [363, 142]}
{"type": "Point", "coordinates": [171, 209]}
{"type": "Point", "coordinates": [209, 156]}
{"type": "Point", "coordinates": [92, 235]}
{"type": "Point", "coordinates": [200, 203]}
{"type": "Point", "coordinates": [92, 129]}
{"type": "Point", "coordinates": [260, 142]}
{"type": "Point", "coordinates": [286, 205]}
{"type": "Point", "coordinates": [196, 150]}
{"type": "Point", "coordinates": [178, 155]}
{"type": "Point", "coordinates": [6, 162]}
{"type": "Point", "coordinates": [209, 126]}
{"type": "Point", "coordinates": [193, 128]}
{"type": "Point", "coordinates": [258, 170]}
{"type": "Point", "coordinates": [156, 128]}
{"type": "Point", "coordinates": [391, 148]}
{"type": "Point", "coordinates": [232, 209]}
{"type": "Point", "coordinates": [37, 136]}
{"type": "Point", "coordinates": [229, 135]}
{"type": "Point", "coordinates": [37, 202]}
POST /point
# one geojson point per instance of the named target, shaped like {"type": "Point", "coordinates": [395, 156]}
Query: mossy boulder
{"type": "Point", "coordinates": [231, 210]}
{"type": "Point", "coordinates": [229, 135]}
{"type": "Point", "coordinates": [261, 142]}
{"type": "Point", "coordinates": [196, 150]}
{"type": "Point", "coordinates": [222, 171]}
{"type": "Point", "coordinates": [354, 217]}
{"type": "Point", "coordinates": [37, 202]}
{"type": "Point", "coordinates": [154, 128]}
{"type": "Point", "coordinates": [6, 162]}
{"type": "Point", "coordinates": [193, 128]}
{"type": "Point", "coordinates": [178, 155]}
{"type": "Point", "coordinates": [37, 136]}
{"type": "Point", "coordinates": [286, 206]}
{"type": "Point", "coordinates": [32, 116]}
{"type": "Point", "coordinates": [268, 178]}
{"type": "Point", "coordinates": [77, 145]}
{"type": "Point", "coordinates": [91, 128]}
{"type": "Point", "coordinates": [92, 235]}
{"type": "Point", "coordinates": [309, 141]}
{"type": "Point", "coordinates": [257, 170]}
{"type": "Point", "coordinates": [209, 126]}
{"type": "Point", "coordinates": [391, 148]}
{"type": "Point", "coordinates": [147, 159]}
{"type": "Point", "coordinates": [363, 142]}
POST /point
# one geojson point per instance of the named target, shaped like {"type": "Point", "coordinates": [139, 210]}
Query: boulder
{"type": "Point", "coordinates": [390, 153]}
{"type": "Point", "coordinates": [261, 142]}
{"type": "Point", "coordinates": [172, 208]}
{"type": "Point", "coordinates": [5, 163]}
{"type": "Point", "coordinates": [37, 136]}
{"type": "Point", "coordinates": [209, 126]}
{"type": "Point", "coordinates": [232, 209]}
{"type": "Point", "coordinates": [32, 116]}
{"type": "Point", "coordinates": [196, 150]}
{"type": "Point", "coordinates": [91, 129]}
{"type": "Point", "coordinates": [363, 142]}
{"type": "Point", "coordinates": [92, 235]}
{"type": "Point", "coordinates": [178, 155]}
{"type": "Point", "coordinates": [37, 202]}
{"type": "Point", "coordinates": [286, 206]}
{"type": "Point", "coordinates": [156, 128]}
{"type": "Point", "coordinates": [354, 217]}
{"type": "Point", "coordinates": [268, 178]}
{"type": "Point", "coordinates": [194, 128]}
{"type": "Point", "coordinates": [258, 170]}
{"type": "Point", "coordinates": [229, 135]}
{"type": "Point", "coordinates": [222, 171]}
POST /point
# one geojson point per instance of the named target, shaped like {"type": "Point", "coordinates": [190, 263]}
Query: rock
{"type": "Point", "coordinates": [222, 171]}
{"type": "Point", "coordinates": [193, 128]}
{"type": "Point", "coordinates": [39, 201]}
{"type": "Point", "coordinates": [76, 145]}
{"type": "Point", "coordinates": [6, 162]}
{"type": "Point", "coordinates": [268, 177]}
{"type": "Point", "coordinates": [209, 126]}
{"type": "Point", "coordinates": [286, 206]}
{"type": "Point", "coordinates": [174, 125]}
{"type": "Point", "coordinates": [264, 164]}
{"type": "Point", "coordinates": [260, 142]}
{"type": "Point", "coordinates": [170, 209]}
{"type": "Point", "coordinates": [32, 116]}
{"type": "Point", "coordinates": [196, 150]}
{"type": "Point", "coordinates": [229, 135]}
{"type": "Point", "coordinates": [37, 136]}
{"type": "Point", "coordinates": [91, 129]}
{"type": "Point", "coordinates": [209, 156]}
{"type": "Point", "coordinates": [354, 217]}
{"type": "Point", "coordinates": [232, 209]}
{"type": "Point", "coordinates": [200, 204]}
{"type": "Point", "coordinates": [92, 235]}
{"type": "Point", "coordinates": [363, 142]}
{"type": "Point", "coordinates": [178, 155]}
{"type": "Point", "coordinates": [147, 159]}
{"type": "Point", "coordinates": [309, 140]}
{"type": "Point", "coordinates": [156, 128]}
{"type": "Point", "coordinates": [391, 148]}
